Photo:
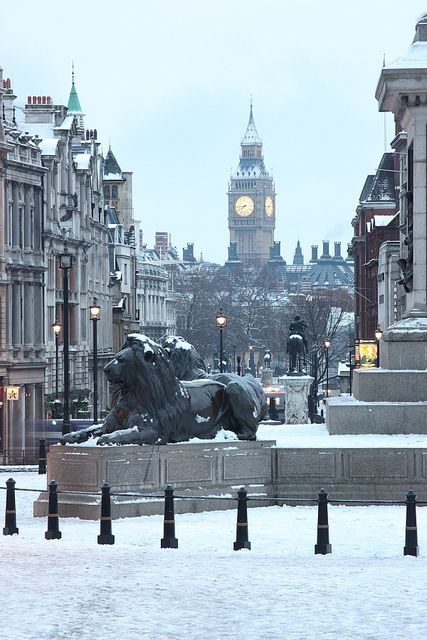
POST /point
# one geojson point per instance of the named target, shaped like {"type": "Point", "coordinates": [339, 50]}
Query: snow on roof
{"type": "Point", "coordinates": [416, 58]}
{"type": "Point", "coordinates": [82, 160]}
{"type": "Point", "coordinates": [48, 146]}
{"type": "Point", "coordinates": [114, 177]}
{"type": "Point", "coordinates": [382, 221]}
{"type": "Point", "coordinates": [67, 123]}
{"type": "Point", "coordinates": [43, 130]}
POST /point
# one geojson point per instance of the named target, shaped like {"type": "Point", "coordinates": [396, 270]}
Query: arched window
{"type": "Point", "coordinates": [114, 195]}
{"type": "Point", "coordinates": [107, 192]}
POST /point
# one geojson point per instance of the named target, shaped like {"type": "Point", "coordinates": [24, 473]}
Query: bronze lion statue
{"type": "Point", "coordinates": [246, 397]}
{"type": "Point", "coordinates": [152, 406]}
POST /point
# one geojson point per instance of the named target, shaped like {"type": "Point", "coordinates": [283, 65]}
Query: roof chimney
{"type": "Point", "coordinates": [326, 248]}
{"type": "Point", "coordinates": [314, 253]}
{"type": "Point", "coordinates": [337, 249]}
{"type": "Point", "coordinates": [421, 29]}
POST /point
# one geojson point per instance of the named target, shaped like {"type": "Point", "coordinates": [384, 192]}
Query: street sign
{"type": "Point", "coordinates": [12, 393]}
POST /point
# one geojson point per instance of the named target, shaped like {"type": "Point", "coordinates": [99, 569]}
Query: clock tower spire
{"type": "Point", "coordinates": [251, 201]}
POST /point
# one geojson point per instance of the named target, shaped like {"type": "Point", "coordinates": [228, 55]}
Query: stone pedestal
{"type": "Point", "coordinates": [404, 345]}
{"type": "Point", "coordinates": [220, 469]}
{"type": "Point", "coordinates": [388, 400]}
{"type": "Point", "coordinates": [206, 468]}
{"type": "Point", "coordinates": [296, 389]}
{"type": "Point", "coordinates": [267, 376]}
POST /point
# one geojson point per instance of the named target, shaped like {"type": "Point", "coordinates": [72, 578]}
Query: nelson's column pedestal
{"type": "Point", "coordinates": [393, 399]}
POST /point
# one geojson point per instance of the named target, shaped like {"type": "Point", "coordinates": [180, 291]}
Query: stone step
{"type": "Point", "coordinates": [389, 385]}
{"type": "Point", "coordinates": [345, 415]}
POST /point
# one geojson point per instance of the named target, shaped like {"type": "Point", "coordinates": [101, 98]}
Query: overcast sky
{"type": "Point", "coordinates": [168, 83]}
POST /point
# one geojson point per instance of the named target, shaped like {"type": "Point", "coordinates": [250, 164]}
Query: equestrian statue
{"type": "Point", "coordinates": [297, 346]}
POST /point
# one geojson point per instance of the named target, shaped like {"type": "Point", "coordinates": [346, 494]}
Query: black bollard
{"type": "Point", "coordinates": [42, 457]}
{"type": "Point", "coordinates": [411, 537]}
{"type": "Point", "coordinates": [10, 518]}
{"type": "Point", "coordinates": [322, 545]}
{"type": "Point", "coordinates": [105, 536]}
{"type": "Point", "coordinates": [242, 540]}
{"type": "Point", "coordinates": [169, 541]}
{"type": "Point", "coordinates": [53, 532]}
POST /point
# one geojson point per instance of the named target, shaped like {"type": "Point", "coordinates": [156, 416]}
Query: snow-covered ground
{"type": "Point", "coordinates": [316, 435]}
{"type": "Point", "coordinates": [75, 589]}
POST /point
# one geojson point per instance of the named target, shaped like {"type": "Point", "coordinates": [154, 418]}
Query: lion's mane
{"type": "Point", "coordinates": [186, 360]}
{"type": "Point", "coordinates": [149, 388]}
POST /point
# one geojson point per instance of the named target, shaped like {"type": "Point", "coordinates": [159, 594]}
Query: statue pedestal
{"type": "Point", "coordinates": [391, 399]}
{"type": "Point", "coordinates": [197, 468]}
{"type": "Point", "coordinates": [297, 388]}
{"type": "Point", "coordinates": [267, 376]}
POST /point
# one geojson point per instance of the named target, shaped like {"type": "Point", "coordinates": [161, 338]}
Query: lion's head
{"type": "Point", "coordinates": [146, 380]}
{"type": "Point", "coordinates": [187, 362]}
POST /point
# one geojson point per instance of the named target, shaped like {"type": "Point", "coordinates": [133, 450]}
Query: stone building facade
{"type": "Point", "coordinates": [122, 233]}
{"type": "Point", "coordinates": [52, 203]}
{"type": "Point", "coordinates": [376, 221]}
{"type": "Point", "coordinates": [22, 350]}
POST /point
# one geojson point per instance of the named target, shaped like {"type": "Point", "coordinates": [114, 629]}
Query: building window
{"type": "Point", "coordinates": [114, 195]}
{"type": "Point", "coordinates": [126, 274]}
{"type": "Point", "coordinates": [107, 192]}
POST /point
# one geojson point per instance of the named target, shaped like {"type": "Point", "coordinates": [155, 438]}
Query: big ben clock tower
{"type": "Point", "coordinates": [252, 202]}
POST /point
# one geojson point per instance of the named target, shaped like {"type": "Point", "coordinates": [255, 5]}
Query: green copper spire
{"type": "Point", "coordinates": [73, 100]}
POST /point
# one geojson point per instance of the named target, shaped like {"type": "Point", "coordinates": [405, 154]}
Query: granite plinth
{"type": "Point", "coordinates": [390, 385]}
{"type": "Point", "coordinates": [347, 415]}
{"type": "Point", "coordinates": [220, 469]}
{"type": "Point", "coordinates": [210, 468]}
{"type": "Point", "coordinates": [352, 473]}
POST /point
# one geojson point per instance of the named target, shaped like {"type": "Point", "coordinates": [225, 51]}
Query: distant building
{"type": "Point", "coordinates": [122, 235]}
{"type": "Point", "coordinates": [161, 243]}
{"type": "Point", "coordinates": [51, 202]}
{"type": "Point", "coordinates": [326, 272]}
{"type": "Point", "coordinates": [375, 222]}
{"type": "Point", "coordinates": [251, 203]}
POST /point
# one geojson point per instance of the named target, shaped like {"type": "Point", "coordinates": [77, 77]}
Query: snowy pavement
{"type": "Point", "coordinates": [316, 435]}
{"type": "Point", "coordinates": [75, 589]}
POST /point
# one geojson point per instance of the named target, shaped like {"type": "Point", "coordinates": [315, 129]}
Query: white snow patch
{"type": "Point", "coordinates": [365, 589]}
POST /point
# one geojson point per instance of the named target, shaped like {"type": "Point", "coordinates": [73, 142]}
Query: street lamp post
{"type": "Point", "coordinates": [314, 373]}
{"type": "Point", "coordinates": [95, 312]}
{"type": "Point", "coordinates": [65, 263]}
{"type": "Point", "coordinates": [327, 344]}
{"type": "Point", "coordinates": [351, 366]}
{"type": "Point", "coordinates": [56, 330]}
{"type": "Point", "coordinates": [378, 334]}
{"type": "Point", "coordinates": [221, 322]}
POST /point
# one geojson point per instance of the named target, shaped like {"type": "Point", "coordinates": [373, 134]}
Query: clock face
{"type": "Point", "coordinates": [244, 206]}
{"type": "Point", "coordinates": [269, 208]}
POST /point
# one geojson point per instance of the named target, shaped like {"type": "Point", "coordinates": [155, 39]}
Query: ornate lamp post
{"type": "Point", "coordinates": [327, 344]}
{"type": "Point", "coordinates": [314, 373]}
{"type": "Point", "coordinates": [95, 312]}
{"type": "Point", "coordinates": [378, 334]}
{"type": "Point", "coordinates": [56, 330]}
{"type": "Point", "coordinates": [351, 366]}
{"type": "Point", "coordinates": [221, 322]}
{"type": "Point", "coordinates": [65, 263]}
